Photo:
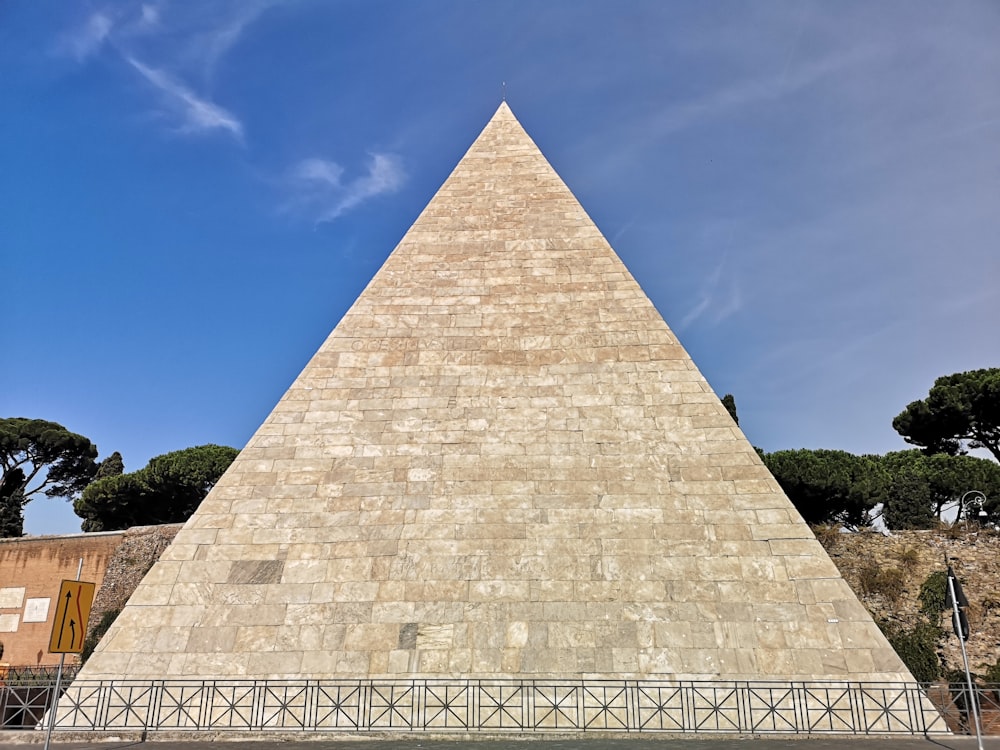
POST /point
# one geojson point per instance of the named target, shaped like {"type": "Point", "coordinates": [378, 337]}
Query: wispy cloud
{"type": "Point", "coordinates": [213, 45]}
{"type": "Point", "coordinates": [87, 40]}
{"type": "Point", "coordinates": [145, 32]}
{"type": "Point", "coordinates": [730, 101]}
{"type": "Point", "coordinates": [149, 15]}
{"type": "Point", "coordinates": [745, 93]}
{"type": "Point", "coordinates": [319, 190]}
{"type": "Point", "coordinates": [719, 299]}
{"type": "Point", "coordinates": [195, 113]}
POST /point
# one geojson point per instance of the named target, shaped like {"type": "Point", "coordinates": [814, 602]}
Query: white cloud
{"type": "Point", "coordinates": [318, 170]}
{"type": "Point", "coordinates": [196, 114]}
{"type": "Point", "coordinates": [88, 39]}
{"type": "Point", "coordinates": [212, 46]}
{"type": "Point", "coordinates": [718, 301]}
{"type": "Point", "coordinates": [749, 92]}
{"type": "Point", "coordinates": [150, 16]}
{"type": "Point", "coordinates": [189, 40]}
{"type": "Point", "coordinates": [720, 296]}
{"type": "Point", "coordinates": [320, 191]}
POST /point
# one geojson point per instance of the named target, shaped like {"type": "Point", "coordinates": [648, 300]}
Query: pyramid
{"type": "Point", "coordinates": [501, 464]}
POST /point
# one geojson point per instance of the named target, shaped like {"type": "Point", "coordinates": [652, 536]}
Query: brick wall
{"type": "Point", "coordinates": [31, 569]}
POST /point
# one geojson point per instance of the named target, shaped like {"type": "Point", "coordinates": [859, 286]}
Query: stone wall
{"type": "Point", "coordinates": [910, 557]}
{"type": "Point", "coordinates": [140, 548]}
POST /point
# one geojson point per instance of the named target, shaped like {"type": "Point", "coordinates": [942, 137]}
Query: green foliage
{"type": "Point", "coordinates": [992, 674]}
{"type": "Point", "coordinates": [933, 593]}
{"type": "Point", "coordinates": [61, 461]}
{"type": "Point", "coordinates": [167, 490]}
{"type": "Point", "coordinates": [921, 486]}
{"type": "Point", "coordinates": [730, 403]}
{"type": "Point", "coordinates": [829, 486]}
{"type": "Point", "coordinates": [961, 411]}
{"type": "Point", "coordinates": [112, 466]}
{"type": "Point", "coordinates": [908, 503]}
{"type": "Point", "coordinates": [12, 504]}
{"type": "Point", "coordinates": [917, 647]}
{"type": "Point", "coordinates": [96, 633]}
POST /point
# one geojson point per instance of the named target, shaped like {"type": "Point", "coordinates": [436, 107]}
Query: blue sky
{"type": "Point", "coordinates": [194, 192]}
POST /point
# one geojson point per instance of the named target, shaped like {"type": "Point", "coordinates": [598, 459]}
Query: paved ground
{"type": "Point", "coordinates": [18, 740]}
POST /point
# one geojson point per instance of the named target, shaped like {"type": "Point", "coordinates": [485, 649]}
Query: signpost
{"type": "Point", "coordinates": [69, 625]}
{"type": "Point", "coordinates": [69, 629]}
{"type": "Point", "coordinates": [956, 599]}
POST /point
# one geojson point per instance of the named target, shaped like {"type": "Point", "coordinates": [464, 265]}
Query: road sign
{"type": "Point", "coordinates": [72, 611]}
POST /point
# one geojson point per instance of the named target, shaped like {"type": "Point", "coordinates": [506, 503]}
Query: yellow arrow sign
{"type": "Point", "coordinates": [72, 612]}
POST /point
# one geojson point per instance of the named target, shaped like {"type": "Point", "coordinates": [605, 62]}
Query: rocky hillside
{"type": "Point", "coordinates": [887, 572]}
{"type": "Point", "coordinates": [140, 548]}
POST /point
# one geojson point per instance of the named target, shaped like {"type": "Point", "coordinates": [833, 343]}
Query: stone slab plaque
{"type": "Point", "coordinates": [11, 597]}
{"type": "Point", "coordinates": [8, 623]}
{"type": "Point", "coordinates": [36, 610]}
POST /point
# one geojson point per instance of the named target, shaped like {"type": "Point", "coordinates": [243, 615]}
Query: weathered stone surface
{"type": "Point", "coordinates": [501, 463]}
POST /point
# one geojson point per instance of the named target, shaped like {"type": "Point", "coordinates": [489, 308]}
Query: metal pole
{"type": "Point", "coordinates": [55, 690]}
{"type": "Point", "coordinates": [973, 701]}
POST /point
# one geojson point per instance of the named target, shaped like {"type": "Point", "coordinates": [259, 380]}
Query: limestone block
{"type": "Point", "coordinates": [275, 664]}
{"type": "Point", "coordinates": [179, 616]}
{"type": "Point", "coordinates": [171, 639]}
{"type": "Point", "coordinates": [203, 572]}
{"type": "Point", "coordinates": [212, 640]}
{"type": "Point", "coordinates": [151, 595]}
{"type": "Point", "coordinates": [810, 567]}
{"type": "Point", "coordinates": [255, 639]}
{"type": "Point", "coordinates": [240, 594]}
{"type": "Point", "coordinates": [299, 637]}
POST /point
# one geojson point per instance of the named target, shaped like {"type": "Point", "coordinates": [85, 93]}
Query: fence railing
{"type": "Point", "coordinates": [497, 706]}
{"type": "Point", "coordinates": [24, 675]}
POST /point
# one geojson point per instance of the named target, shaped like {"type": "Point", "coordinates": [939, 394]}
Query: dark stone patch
{"type": "Point", "coordinates": [408, 635]}
{"type": "Point", "coordinates": [256, 571]}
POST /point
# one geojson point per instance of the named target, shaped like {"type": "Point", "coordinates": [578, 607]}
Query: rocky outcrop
{"type": "Point", "coordinates": [886, 572]}
{"type": "Point", "coordinates": [140, 547]}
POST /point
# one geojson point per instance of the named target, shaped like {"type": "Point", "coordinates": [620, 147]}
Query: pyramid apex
{"type": "Point", "coordinates": [503, 112]}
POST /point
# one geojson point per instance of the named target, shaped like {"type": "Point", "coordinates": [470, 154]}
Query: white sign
{"type": "Point", "coordinates": [36, 610]}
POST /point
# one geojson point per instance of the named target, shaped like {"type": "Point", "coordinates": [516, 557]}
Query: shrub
{"type": "Point", "coordinates": [98, 631]}
{"type": "Point", "coordinates": [992, 674]}
{"type": "Point", "coordinates": [917, 647]}
{"type": "Point", "coordinates": [885, 582]}
{"type": "Point", "coordinates": [909, 558]}
{"type": "Point", "coordinates": [867, 576]}
{"type": "Point", "coordinates": [827, 534]}
{"type": "Point", "coordinates": [933, 593]}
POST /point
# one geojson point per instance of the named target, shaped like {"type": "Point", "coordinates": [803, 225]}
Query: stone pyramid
{"type": "Point", "coordinates": [500, 464]}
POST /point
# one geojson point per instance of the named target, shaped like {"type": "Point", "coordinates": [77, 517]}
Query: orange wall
{"type": "Point", "coordinates": [31, 569]}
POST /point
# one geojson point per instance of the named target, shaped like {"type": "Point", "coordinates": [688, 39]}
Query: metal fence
{"type": "Point", "coordinates": [32, 675]}
{"type": "Point", "coordinates": [497, 706]}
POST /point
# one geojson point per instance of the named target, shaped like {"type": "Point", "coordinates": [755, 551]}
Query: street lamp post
{"type": "Point", "coordinates": [963, 509]}
{"type": "Point", "coordinates": [960, 626]}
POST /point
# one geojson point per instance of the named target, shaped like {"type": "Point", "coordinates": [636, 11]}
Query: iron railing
{"type": "Point", "coordinates": [32, 675]}
{"type": "Point", "coordinates": [498, 706]}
